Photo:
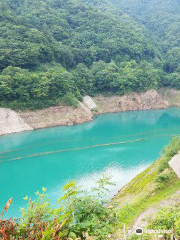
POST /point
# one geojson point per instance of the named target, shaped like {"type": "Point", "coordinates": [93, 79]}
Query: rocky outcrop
{"type": "Point", "coordinates": [11, 122]}
{"type": "Point", "coordinates": [89, 102]}
{"type": "Point", "coordinates": [135, 101]}
{"type": "Point", "coordinates": [55, 116]}
{"type": "Point", "coordinates": [172, 96]}
{"type": "Point", "coordinates": [63, 115]}
{"type": "Point", "coordinates": [175, 164]}
{"type": "Point", "coordinates": [86, 109]}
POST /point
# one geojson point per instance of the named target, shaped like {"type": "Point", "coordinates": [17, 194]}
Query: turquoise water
{"type": "Point", "coordinates": [133, 141]}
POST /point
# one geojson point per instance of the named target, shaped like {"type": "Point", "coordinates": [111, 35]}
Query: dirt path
{"type": "Point", "coordinates": [142, 220]}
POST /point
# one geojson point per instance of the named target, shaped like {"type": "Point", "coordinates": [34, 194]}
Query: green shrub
{"type": "Point", "coordinates": [79, 214]}
{"type": "Point", "coordinates": [169, 151]}
{"type": "Point", "coordinates": [173, 148]}
{"type": "Point", "coordinates": [29, 105]}
{"type": "Point", "coordinates": [162, 178]}
{"type": "Point", "coordinates": [167, 218]}
{"type": "Point", "coordinates": [163, 165]}
{"type": "Point", "coordinates": [70, 100]}
{"type": "Point", "coordinates": [95, 110]}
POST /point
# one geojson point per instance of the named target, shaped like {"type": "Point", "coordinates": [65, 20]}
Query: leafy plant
{"type": "Point", "coordinates": [168, 218]}
{"type": "Point", "coordinates": [162, 178]}
{"type": "Point", "coordinates": [70, 100]}
{"type": "Point", "coordinates": [80, 214]}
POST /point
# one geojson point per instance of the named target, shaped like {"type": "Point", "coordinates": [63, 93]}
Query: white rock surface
{"type": "Point", "coordinates": [86, 109]}
{"type": "Point", "coordinates": [89, 102]}
{"type": "Point", "coordinates": [175, 164]}
{"type": "Point", "coordinates": [10, 122]}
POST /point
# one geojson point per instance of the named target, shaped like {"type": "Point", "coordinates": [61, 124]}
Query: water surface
{"type": "Point", "coordinates": [120, 144]}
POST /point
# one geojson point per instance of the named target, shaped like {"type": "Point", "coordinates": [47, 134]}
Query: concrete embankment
{"type": "Point", "coordinates": [12, 122]}
{"type": "Point", "coordinates": [175, 164]}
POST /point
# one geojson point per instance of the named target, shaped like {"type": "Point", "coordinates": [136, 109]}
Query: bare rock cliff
{"type": "Point", "coordinates": [55, 116]}
{"type": "Point", "coordinates": [11, 122]}
{"type": "Point", "coordinates": [134, 101]}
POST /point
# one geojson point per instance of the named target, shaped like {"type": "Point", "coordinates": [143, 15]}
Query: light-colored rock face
{"type": "Point", "coordinates": [175, 164]}
{"type": "Point", "coordinates": [134, 101]}
{"type": "Point", "coordinates": [89, 102]}
{"type": "Point", "coordinates": [55, 116]}
{"type": "Point", "coordinates": [86, 109]}
{"type": "Point", "coordinates": [11, 122]}
{"type": "Point", "coordinates": [172, 96]}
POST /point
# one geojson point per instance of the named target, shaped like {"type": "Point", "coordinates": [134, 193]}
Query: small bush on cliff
{"type": "Point", "coordinates": [173, 148]}
{"type": "Point", "coordinates": [80, 214]}
{"type": "Point", "coordinates": [169, 151]}
{"type": "Point", "coordinates": [168, 218]}
{"type": "Point", "coordinates": [70, 100]}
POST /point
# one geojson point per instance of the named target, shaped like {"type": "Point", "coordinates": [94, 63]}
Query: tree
{"type": "Point", "coordinates": [83, 78]}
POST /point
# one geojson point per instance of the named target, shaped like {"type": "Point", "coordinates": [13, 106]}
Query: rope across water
{"type": "Point", "coordinates": [75, 140]}
{"type": "Point", "coordinates": [86, 147]}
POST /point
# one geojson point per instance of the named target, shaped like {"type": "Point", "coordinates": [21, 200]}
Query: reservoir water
{"type": "Point", "coordinates": [121, 145]}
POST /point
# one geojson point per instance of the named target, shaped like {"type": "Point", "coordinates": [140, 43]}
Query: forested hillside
{"type": "Point", "coordinates": [56, 51]}
{"type": "Point", "coordinates": [162, 19]}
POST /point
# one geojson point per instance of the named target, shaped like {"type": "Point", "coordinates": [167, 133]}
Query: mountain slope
{"type": "Point", "coordinates": [68, 32]}
{"type": "Point", "coordinates": [161, 19]}
{"type": "Point", "coordinates": [57, 51]}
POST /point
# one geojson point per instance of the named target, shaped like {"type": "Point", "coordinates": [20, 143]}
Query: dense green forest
{"type": "Point", "coordinates": [161, 19]}
{"type": "Point", "coordinates": [56, 51]}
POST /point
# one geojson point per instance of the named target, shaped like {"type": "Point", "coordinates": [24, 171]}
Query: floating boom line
{"type": "Point", "coordinates": [83, 148]}
{"type": "Point", "coordinates": [72, 140]}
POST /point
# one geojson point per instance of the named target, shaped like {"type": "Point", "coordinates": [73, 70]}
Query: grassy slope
{"type": "Point", "coordinates": [147, 189]}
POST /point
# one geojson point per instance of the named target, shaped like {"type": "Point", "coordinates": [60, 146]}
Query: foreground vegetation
{"type": "Point", "coordinates": [149, 188]}
{"type": "Point", "coordinates": [82, 214]}
{"type": "Point", "coordinates": [78, 215]}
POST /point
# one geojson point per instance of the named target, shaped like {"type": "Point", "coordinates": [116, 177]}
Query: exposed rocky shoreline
{"type": "Point", "coordinates": [134, 101]}
{"type": "Point", "coordinates": [12, 122]}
